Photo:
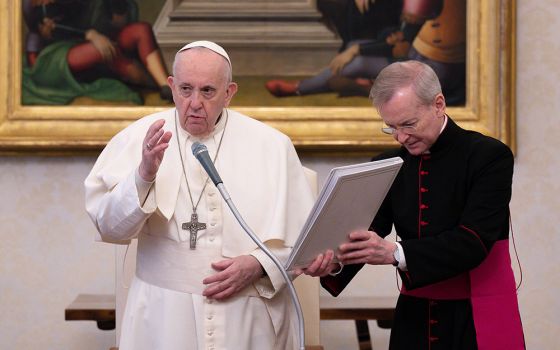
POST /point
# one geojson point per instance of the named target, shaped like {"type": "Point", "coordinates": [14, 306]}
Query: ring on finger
{"type": "Point", "coordinates": [340, 267]}
{"type": "Point", "coordinates": [148, 146]}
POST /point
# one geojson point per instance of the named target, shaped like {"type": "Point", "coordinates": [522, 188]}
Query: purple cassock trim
{"type": "Point", "coordinates": [491, 288]}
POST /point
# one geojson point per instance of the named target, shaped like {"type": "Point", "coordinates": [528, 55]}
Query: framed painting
{"type": "Point", "coordinates": [316, 128]}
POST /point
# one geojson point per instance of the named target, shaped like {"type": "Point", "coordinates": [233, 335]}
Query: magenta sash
{"type": "Point", "coordinates": [491, 288]}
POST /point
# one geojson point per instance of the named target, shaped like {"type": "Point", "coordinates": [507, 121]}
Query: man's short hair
{"type": "Point", "coordinates": [395, 76]}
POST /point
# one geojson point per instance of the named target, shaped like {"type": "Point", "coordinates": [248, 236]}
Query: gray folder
{"type": "Point", "coordinates": [348, 201]}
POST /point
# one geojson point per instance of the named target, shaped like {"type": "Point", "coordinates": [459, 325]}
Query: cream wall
{"type": "Point", "coordinates": [536, 197]}
{"type": "Point", "coordinates": [47, 255]}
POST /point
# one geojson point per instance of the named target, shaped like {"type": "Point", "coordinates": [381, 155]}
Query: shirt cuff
{"type": "Point", "coordinates": [146, 197]}
{"type": "Point", "coordinates": [402, 260]}
{"type": "Point", "coordinates": [267, 286]}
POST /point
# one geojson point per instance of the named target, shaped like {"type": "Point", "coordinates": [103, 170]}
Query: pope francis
{"type": "Point", "coordinates": [200, 282]}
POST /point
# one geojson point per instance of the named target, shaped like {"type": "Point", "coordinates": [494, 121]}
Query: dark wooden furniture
{"type": "Point", "coordinates": [93, 307]}
{"type": "Point", "coordinates": [360, 310]}
{"type": "Point", "coordinates": [307, 347]}
{"type": "Point", "coordinates": [101, 309]}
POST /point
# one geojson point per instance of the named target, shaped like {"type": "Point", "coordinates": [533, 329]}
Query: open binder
{"type": "Point", "coordinates": [349, 200]}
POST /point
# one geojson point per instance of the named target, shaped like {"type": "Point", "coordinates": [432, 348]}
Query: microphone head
{"type": "Point", "coordinates": [198, 148]}
{"type": "Point", "coordinates": [200, 152]}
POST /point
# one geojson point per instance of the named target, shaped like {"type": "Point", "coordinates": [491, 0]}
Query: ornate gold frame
{"type": "Point", "coordinates": [490, 106]}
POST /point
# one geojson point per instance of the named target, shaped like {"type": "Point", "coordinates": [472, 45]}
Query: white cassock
{"type": "Point", "coordinates": [165, 308]}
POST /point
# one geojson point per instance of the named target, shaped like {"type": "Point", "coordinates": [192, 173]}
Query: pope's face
{"type": "Point", "coordinates": [200, 89]}
{"type": "Point", "coordinates": [417, 125]}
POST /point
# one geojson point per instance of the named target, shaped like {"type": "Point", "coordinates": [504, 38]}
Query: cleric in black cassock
{"type": "Point", "coordinates": [449, 205]}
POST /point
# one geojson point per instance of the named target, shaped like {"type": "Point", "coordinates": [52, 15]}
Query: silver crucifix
{"type": "Point", "coordinates": [193, 226]}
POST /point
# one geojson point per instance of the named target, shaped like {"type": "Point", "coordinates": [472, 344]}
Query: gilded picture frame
{"type": "Point", "coordinates": [489, 107]}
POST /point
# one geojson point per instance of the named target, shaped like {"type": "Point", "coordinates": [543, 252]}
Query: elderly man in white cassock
{"type": "Point", "coordinates": [200, 281]}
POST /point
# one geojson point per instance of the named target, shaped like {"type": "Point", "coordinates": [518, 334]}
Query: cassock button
{"type": "Point", "coordinates": [423, 189]}
{"type": "Point", "coordinates": [211, 239]}
{"type": "Point", "coordinates": [211, 194]}
{"type": "Point", "coordinates": [433, 339]}
{"type": "Point", "coordinates": [423, 223]}
{"type": "Point", "coordinates": [209, 317]}
{"type": "Point", "coordinates": [212, 208]}
{"type": "Point", "coordinates": [210, 333]}
{"type": "Point", "coordinates": [422, 172]}
{"type": "Point", "coordinates": [423, 206]}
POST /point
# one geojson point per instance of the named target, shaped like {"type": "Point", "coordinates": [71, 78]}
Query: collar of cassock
{"type": "Point", "coordinates": [447, 136]}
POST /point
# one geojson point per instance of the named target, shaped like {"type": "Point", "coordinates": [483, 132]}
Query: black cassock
{"type": "Point", "coordinates": [448, 207]}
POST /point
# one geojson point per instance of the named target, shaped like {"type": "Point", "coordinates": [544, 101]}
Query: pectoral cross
{"type": "Point", "coordinates": [193, 226]}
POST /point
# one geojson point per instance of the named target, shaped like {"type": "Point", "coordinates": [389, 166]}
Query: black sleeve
{"type": "Point", "coordinates": [336, 284]}
{"type": "Point", "coordinates": [382, 223]}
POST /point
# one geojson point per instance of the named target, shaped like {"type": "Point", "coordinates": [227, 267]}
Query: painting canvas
{"type": "Point", "coordinates": [102, 50]}
{"type": "Point", "coordinates": [372, 35]}
{"type": "Point", "coordinates": [285, 56]}
{"type": "Point", "coordinates": [90, 52]}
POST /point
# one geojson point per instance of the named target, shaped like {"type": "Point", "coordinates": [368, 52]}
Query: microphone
{"type": "Point", "coordinates": [201, 153]}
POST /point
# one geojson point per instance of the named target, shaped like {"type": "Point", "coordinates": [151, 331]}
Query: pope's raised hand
{"type": "Point", "coordinates": [154, 145]}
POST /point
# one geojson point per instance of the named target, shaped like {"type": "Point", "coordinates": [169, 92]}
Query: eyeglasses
{"type": "Point", "coordinates": [409, 129]}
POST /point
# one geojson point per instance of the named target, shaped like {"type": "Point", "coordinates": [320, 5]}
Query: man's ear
{"type": "Point", "coordinates": [230, 92]}
{"type": "Point", "coordinates": [439, 104]}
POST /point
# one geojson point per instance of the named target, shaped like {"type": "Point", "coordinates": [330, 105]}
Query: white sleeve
{"type": "Point", "coordinates": [143, 188]}
{"type": "Point", "coordinates": [273, 282]}
{"type": "Point", "coordinates": [402, 260]}
{"type": "Point", "coordinates": [118, 215]}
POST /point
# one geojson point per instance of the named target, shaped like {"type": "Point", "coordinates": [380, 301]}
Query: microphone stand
{"type": "Point", "coordinates": [277, 262]}
{"type": "Point", "coordinates": [201, 153]}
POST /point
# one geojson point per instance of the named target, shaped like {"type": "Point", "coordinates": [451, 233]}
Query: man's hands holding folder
{"type": "Point", "coordinates": [363, 247]}
{"type": "Point", "coordinates": [321, 266]}
{"type": "Point", "coordinates": [366, 247]}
